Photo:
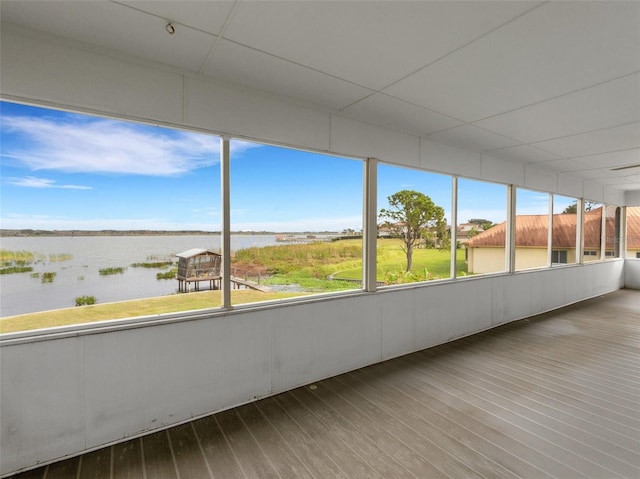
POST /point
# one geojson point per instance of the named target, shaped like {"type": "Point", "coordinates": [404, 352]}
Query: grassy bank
{"type": "Point", "coordinates": [128, 309]}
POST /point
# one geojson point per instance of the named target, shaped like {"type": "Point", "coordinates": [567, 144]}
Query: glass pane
{"type": "Point", "coordinates": [633, 232]}
{"type": "Point", "coordinates": [481, 229]}
{"type": "Point", "coordinates": [565, 227]}
{"type": "Point", "coordinates": [296, 219]}
{"type": "Point", "coordinates": [592, 230]}
{"type": "Point", "coordinates": [532, 229]}
{"type": "Point", "coordinates": [96, 210]}
{"type": "Point", "coordinates": [612, 246]}
{"type": "Point", "coordinates": [414, 241]}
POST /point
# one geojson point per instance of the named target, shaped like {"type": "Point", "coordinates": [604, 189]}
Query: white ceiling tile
{"type": "Point", "coordinates": [600, 141]}
{"type": "Point", "coordinates": [472, 138]}
{"type": "Point", "coordinates": [606, 161]}
{"type": "Point", "coordinates": [206, 16]}
{"type": "Point", "coordinates": [563, 164]}
{"type": "Point", "coordinates": [622, 180]}
{"type": "Point", "coordinates": [245, 66]}
{"type": "Point", "coordinates": [397, 114]}
{"type": "Point", "coordinates": [369, 43]}
{"type": "Point", "coordinates": [524, 154]}
{"type": "Point", "coordinates": [555, 49]}
{"type": "Point", "coordinates": [116, 27]}
{"type": "Point", "coordinates": [609, 104]}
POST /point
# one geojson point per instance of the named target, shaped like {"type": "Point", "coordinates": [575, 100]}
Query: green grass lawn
{"type": "Point", "coordinates": [392, 260]}
{"type": "Point", "coordinates": [128, 309]}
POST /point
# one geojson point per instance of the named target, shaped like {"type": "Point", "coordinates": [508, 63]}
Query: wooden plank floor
{"type": "Point", "coordinates": [555, 396]}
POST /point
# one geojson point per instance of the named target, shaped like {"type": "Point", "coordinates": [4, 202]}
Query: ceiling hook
{"type": "Point", "coordinates": [170, 28]}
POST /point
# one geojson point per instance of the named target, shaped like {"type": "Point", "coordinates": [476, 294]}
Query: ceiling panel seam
{"type": "Point", "coordinates": [219, 38]}
{"type": "Point", "coordinates": [587, 132]}
{"type": "Point", "coordinates": [465, 45]}
{"type": "Point", "coordinates": [556, 97]}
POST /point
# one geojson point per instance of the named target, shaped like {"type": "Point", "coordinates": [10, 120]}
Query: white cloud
{"type": "Point", "coordinates": [34, 182]}
{"type": "Point", "coordinates": [89, 145]}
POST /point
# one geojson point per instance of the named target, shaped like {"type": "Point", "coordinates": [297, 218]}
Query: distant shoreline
{"type": "Point", "coordinates": [28, 233]}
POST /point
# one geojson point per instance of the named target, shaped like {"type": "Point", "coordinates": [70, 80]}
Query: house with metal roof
{"type": "Point", "coordinates": [486, 251]}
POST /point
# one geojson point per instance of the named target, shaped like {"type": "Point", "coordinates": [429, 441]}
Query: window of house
{"type": "Point", "coordinates": [559, 256]}
{"type": "Point", "coordinates": [96, 211]}
{"type": "Point", "coordinates": [296, 222]}
{"type": "Point", "coordinates": [592, 231]}
{"type": "Point", "coordinates": [564, 230]}
{"type": "Point", "coordinates": [481, 228]}
{"type": "Point", "coordinates": [414, 211]}
{"type": "Point", "coordinates": [531, 229]}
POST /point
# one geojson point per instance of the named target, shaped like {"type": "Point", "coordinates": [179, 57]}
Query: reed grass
{"type": "Point", "coordinates": [108, 271]}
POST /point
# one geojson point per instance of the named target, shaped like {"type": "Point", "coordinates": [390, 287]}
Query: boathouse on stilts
{"type": "Point", "coordinates": [196, 265]}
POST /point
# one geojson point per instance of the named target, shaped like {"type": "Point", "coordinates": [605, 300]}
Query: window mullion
{"type": "Point", "coordinates": [550, 233]}
{"type": "Point", "coordinates": [226, 222]}
{"type": "Point", "coordinates": [370, 224]}
{"type": "Point", "coordinates": [453, 230]}
{"type": "Point", "coordinates": [510, 239]}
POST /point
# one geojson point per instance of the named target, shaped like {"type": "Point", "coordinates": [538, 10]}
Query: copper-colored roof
{"type": "Point", "coordinates": [531, 230]}
{"type": "Point", "coordinates": [633, 227]}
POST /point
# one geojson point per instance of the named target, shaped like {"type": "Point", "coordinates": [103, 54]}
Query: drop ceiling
{"type": "Point", "coordinates": [550, 84]}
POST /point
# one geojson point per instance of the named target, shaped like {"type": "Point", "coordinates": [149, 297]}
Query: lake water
{"type": "Point", "coordinates": [22, 293]}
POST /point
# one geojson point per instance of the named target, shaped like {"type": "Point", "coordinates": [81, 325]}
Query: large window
{"type": "Point", "coordinates": [414, 239]}
{"type": "Point", "coordinates": [104, 219]}
{"type": "Point", "coordinates": [95, 211]}
{"type": "Point", "coordinates": [296, 219]}
{"type": "Point", "coordinates": [592, 231]}
{"type": "Point", "coordinates": [633, 232]}
{"type": "Point", "coordinates": [612, 232]}
{"type": "Point", "coordinates": [564, 230]}
{"type": "Point", "coordinates": [531, 229]}
{"type": "Point", "coordinates": [481, 229]}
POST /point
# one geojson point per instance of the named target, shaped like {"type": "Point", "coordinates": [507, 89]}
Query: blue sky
{"type": "Point", "coordinates": [64, 170]}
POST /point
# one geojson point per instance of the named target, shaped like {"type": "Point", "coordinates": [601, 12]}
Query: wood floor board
{"type": "Point", "coordinates": [157, 457]}
{"type": "Point", "coordinates": [544, 439]}
{"type": "Point", "coordinates": [188, 456]}
{"type": "Point", "coordinates": [367, 434]}
{"type": "Point", "coordinates": [280, 455]}
{"type": "Point", "coordinates": [530, 396]}
{"type": "Point", "coordinates": [253, 461]}
{"type": "Point", "coordinates": [463, 407]}
{"type": "Point", "coordinates": [590, 445]}
{"type": "Point", "coordinates": [127, 460]}
{"type": "Point", "coordinates": [222, 461]}
{"type": "Point", "coordinates": [328, 439]}
{"type": "Point", "coordinates": [420, 448]}
{"type": "Point", "coordinates": [545, 374]}
{"type": "Point", "coordinates": [96, 464]}
{"type": "Point", "coordinates": [420, 408]}
{"type": "Point", "coordinates": [63, 469]}
{"type": "Point", "coordinates": [310, 452]}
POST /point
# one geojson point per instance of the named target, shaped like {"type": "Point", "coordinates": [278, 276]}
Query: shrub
{"type": "Point", "coordinates": [167, 275]}
{"type": "Point", "coordinates": [85, 300]}
{"type": "Point", "coordinates": [48, 277]}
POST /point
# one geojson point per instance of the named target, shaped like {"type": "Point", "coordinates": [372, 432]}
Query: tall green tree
{"type": "Point", "coordinates": [410, 215]}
